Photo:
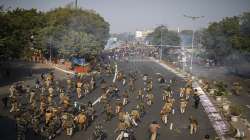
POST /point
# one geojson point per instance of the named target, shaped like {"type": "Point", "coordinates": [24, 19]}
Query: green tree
{"type": "Point", "coordinates": [22, 30]}
{"type": "Point", "coordinates": [162, 35]}
{"type": "Point", "coordinates": [72, 30]}
{"type": "Point", "coordinates": [228, 41]}
{"type": "Point", "coordinates": [17, 27]}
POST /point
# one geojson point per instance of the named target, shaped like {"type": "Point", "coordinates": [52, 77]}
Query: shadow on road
{"type": "Point", "coordinates": [8, 130]}
{"type": "Point", "coordinates": [16, 71]}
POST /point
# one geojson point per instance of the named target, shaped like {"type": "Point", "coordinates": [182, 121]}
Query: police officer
{"type": "Point", "coordinates": [109, 112]}
{"type": "Point", "coordinates": [153, 129]}
{"type": "Point", "coordinates": [140, 95]}
{"type": "Point", "coordinates": [196, 99]}
{"type": "Point", "coordinates": [125, 98]}
{"type": "Point", "coordinates": [69, 124]}
{"type": "Point", "coordinates": [21, 126]}
{"type": "Point", "coordinates": [193, 125]}
{"type": "Point", "coordinates": [14, 104]}
{"type": "Point", "coordinates": [183, 105]}
{"type": "Point", "coordinates": [122, 126]}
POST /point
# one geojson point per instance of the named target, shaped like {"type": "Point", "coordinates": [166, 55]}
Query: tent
{"type": "Point", "coordinates": [80, 65]}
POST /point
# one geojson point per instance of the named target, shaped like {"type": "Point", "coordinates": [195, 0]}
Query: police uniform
{"type": "Point", "coordinates": [183, 105]}
{"type": "Point", "coordinates": [21, 126]}
{"type": "Point", "coordinates": [81, 120]}
{"type": "Point", "coordinates": [108, 112]}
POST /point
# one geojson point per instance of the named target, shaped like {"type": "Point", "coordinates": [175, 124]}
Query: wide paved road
{"type": "Point", "coordinates": [179, 120]}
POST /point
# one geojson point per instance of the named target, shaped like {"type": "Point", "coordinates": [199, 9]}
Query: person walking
{"type": "Point", "coordinates": [196, 99]}
{"type": "Point", "coordinates": [153, 129]}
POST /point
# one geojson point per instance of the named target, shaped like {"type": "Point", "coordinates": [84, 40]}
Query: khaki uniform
{"type": "Point", "coordinates": [135, 114]}
{"type": "Point", "coordinates": [121, 116]}
{"type": "Point", "coordinates": [183, 105]}
{"type": "Point", "coordinates": [42, 107]}
{"type": "Point", "coordinates": [182, 92]}
{"type": "Point", "coordinates": [188, 92]}
{"type": "Point", "coordinates": [69, 124]}
{"type": "Point", "coordinates": [51, 90]}
{"type": "Point", "coordinates": [125, 98]}
{"type": "Point", "coordinates": [78, 91]}
{"type": "Point", "coordinates": [118, 107]}
{"type": "Point", "coordinates": [14, 104]}
{"type": "Point", "coordinates": [153, 128]}
{"type": "Point", "coordinates": [164, 114]}
{"type": "Point", "coordinates": [81, 120]}
{"type": "Point", "coordinates": [193, 125]}
{"type": "Point", "coordinates": [140, 95]}
{"type": "Point", "coordinates": [48, 117]}
{"type": "Point", "coordinates": [122, 126]}
{"type": "Point", "coordinates": [150, 98]}
{"type": "Point", "coordinates": [12, 91]}
{"type": "Point", "coordinates": [109, 112]}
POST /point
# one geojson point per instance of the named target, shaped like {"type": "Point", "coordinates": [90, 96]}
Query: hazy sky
{"type": "Point", "coordinates": [130, 15]}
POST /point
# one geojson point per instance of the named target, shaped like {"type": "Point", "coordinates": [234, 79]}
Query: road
{"type": "Point", "coordinates": [180, 121]}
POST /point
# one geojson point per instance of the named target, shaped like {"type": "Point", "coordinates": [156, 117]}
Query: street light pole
{"type": "Point", "coordinates": [161, 47]}
{"type": "Point", "coordinates": [76, 4]}
{"type": "Point", "coordinates": [193, 18]}
{"type": "Point", "coordinates": [50, 44]}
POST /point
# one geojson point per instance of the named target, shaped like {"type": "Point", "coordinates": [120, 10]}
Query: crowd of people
{"type": "Point", "coordinates": [52, 106]}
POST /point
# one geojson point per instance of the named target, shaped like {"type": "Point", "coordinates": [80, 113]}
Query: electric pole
{"type": "Point", "coordinates": [193, 18]}
{"type": "Point", "coordinates": [76, 4]}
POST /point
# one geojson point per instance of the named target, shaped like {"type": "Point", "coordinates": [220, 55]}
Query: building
{"type": "Point", "coordinates": [140, 35]}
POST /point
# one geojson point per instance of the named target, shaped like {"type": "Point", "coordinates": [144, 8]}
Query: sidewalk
{"type": "Point", "coordinates": [220, 125]}
{"type": "Point", "coordinates": [21, 71]}
{"type": "Point", "coordinates": [221, 74]}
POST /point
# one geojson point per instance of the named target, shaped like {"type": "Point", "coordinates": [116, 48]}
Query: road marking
{"type": "Point", "coordinates": [221, 127]}
{"type": "Point", "coordinates": [66, 71]}
{"type": "Point", "coordinates": [99, 98]}
{"type": "Point", "coordinates": [248, 106]}
{"type": "Point", "coordinates": [71, 72]}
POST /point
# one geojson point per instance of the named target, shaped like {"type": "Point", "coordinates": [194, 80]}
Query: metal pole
{"type": "Point", "coordinates": [192, 53]}
{"type": "Point", "coordinates": [161, 47]}
{"type": "Point", "coordinates": [76, 4]}
{"type": "Point", "coordinates": [193, 19]}
{"type": "Point", "coordinates": [50, 51]}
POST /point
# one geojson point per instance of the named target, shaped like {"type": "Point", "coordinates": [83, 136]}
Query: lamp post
{"type": "Point", "coordinates": [161, 47]}
{"type": "Point", "coordinates": [50, 44]}
{"type": "Point", "coordinates": [193, 18]}
{"type": "Point", "coordinates": [162, 28]}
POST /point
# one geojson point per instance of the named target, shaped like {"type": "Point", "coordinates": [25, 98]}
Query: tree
{"type": "Point", "coordinates": [162, 35]}
{"type": "Point", "coordinates": [17, 26]}
{"type": "Point", "coordinates": [22, 30]}
{"type": "Point", "coordinates": [74, 30]}
{"type": "Point", "coordinates": [228, 42]}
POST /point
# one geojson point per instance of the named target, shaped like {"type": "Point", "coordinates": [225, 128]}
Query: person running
{"type": "Point", "coordinates": [125, 98]}
{"type": "Point", "coordinates": [196, 99]}
{"type": "Point", "coordinates": [193, 125]}
{"type": "Point", "coordinates": [150, 98]}
{"type": "Point", "coordinates": [153, 129]}
{"type": "Point", "coordinates": [109, 112]}
{"type": "Point", "coordinates": [140, 95]}
{"type": "Point", "coordinates": [183, 105]}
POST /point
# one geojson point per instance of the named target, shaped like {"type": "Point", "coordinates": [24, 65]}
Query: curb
{"type": "Point", "coordinates": [220, 126]}
{"type": "Point", "coordinates": [65, 71]}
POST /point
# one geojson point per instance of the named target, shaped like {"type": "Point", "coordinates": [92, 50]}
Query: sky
{"type": "Point", "coordinates": [132, 15]}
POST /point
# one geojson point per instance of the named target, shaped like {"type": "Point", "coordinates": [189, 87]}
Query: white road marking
{"type": "Point", "coordinates": [71, 72]}
{"type": "Point", "coordinates": [248, 106]}
{"type": "Point", "coordinates": [99, 98]}
{"type": "Point", "coordinates": [65, 71]}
